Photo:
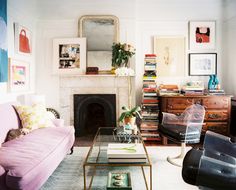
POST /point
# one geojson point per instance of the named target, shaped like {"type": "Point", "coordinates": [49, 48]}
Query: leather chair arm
{"type": "Point", "coordinates": [220, 144]}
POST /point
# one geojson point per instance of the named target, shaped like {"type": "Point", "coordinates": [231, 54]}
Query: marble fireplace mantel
{"type": "Point", "coordinates": [92, 84]}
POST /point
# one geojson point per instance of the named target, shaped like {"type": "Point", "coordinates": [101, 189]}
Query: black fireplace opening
{"type": "Point", "coordinates": [92, 111]}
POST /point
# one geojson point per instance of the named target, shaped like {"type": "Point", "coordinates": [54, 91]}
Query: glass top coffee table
{"type": "Point", "coordinates": [97, 155]}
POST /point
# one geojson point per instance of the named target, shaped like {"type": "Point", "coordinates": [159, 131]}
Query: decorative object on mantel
{"type": "Point", "coordinates": [91, 70]}
{"type": "Point", "coordinates": [124, 71]}
{"type": "Point", "coordinates": [69, 56]}
{"type": "Point", "coordinates": [121, 53]}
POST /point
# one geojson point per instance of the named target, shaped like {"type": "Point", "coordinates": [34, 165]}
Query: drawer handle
{"type": "Point", "coordinates": [169, 106]}
{"type": "Point", "coordinates": [198, 102]}
{"type": "Point", "coordinates": [214, 116]}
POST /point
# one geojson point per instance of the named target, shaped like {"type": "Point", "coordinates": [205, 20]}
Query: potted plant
{"type": "Point", "coordinates": [129, 115]}
{"type": "Point", "coordinates": [121, 54]}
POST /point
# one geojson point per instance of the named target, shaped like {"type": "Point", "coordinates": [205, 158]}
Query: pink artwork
{"type": "Point", "coordinates": [19, 75]}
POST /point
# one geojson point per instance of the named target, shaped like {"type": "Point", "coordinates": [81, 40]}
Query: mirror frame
{"type": "Point", "coordinates": [113, 18]}
{"type": "Point", "coordinates": [102, 51]}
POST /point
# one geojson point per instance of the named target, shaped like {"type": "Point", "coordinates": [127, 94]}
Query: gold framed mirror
{"type": "Point", "coordinates": [101, 31]}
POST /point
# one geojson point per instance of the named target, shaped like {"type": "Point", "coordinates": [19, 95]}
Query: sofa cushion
{"type": "Point", "coordinates": [33, 117]}
{"type": "Point", "coordinates": [26, 158]}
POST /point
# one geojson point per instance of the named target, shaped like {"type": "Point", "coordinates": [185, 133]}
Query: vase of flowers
{"type": "Point", "coordinates": [121, 53]}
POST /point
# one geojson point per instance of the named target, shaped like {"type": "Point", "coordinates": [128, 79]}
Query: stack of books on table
{"type": "Point", "coordinates": [216, 92]}
{"type": "Point", "coordinates": [168, 89]}
{"type": "Point", "coordinates": [188, 90]}
{"type": "Point", "coordinates": [126, 153]}
{"type": "Point", "coordinates": [193, 88]}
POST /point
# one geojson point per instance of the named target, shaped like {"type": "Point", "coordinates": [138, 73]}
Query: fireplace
{"type": "Point", "coordinates": [92, 111]}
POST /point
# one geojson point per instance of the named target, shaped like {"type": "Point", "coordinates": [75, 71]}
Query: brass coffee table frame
{"type": "Point", "coordinates": [96, 164]}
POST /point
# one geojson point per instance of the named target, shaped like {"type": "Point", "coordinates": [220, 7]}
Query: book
{"type": "Point", "coordinates": [150, 55]}
{"type": "Point", "coordinates": [126, 151]}
{"type": "Point", "coordinates": [127, 160]}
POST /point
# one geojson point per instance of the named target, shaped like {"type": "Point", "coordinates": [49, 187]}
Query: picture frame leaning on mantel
{"type": "Point", "coordinates": [69, 56]}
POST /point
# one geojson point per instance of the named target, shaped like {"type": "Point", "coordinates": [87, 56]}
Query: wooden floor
{"type": "Point", "coordinates": [84, 141]}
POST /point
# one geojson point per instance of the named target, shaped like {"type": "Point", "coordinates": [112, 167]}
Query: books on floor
{"type": "Point", "coordinates": [126, 153]}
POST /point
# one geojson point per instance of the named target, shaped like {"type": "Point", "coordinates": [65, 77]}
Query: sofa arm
{"type": "Point", "coordinates": [219, 143]}
{"type": "Point", "coordinates": [58, 122]}
{"type": "Point", "coordinates": [2, 171]}
{"type": "Point", "coordinates": [2, 178]}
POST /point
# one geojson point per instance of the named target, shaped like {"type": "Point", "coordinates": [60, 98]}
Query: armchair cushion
{"type": "Point", "coordinates": [180, 133]}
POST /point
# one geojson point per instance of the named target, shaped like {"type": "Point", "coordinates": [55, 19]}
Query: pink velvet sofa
{"type": "Point", "coordinates": [27, 162]}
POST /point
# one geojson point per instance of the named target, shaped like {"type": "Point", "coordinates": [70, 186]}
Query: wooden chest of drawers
{"type": "Point", "coordinates": [218, 108]}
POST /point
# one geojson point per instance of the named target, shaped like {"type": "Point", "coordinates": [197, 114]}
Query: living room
{"type": "Point", "coordinates": [141, 24]}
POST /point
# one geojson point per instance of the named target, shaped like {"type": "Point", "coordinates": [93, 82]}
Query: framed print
{"type": "Point", "coordinates": [202, 64]}
{"type": "Point", "coordinates": [23, 39]}
{"type": "Point", "coordinates": [69, 56]}
{"type": "Point", "coordinates": [202, 35]}
{"type": "Point", "coordinates": [3, 42]}
{"type": "Point", "coordinates": [19, 75]}
{"type": "Point", "coordinates": [171, 55]}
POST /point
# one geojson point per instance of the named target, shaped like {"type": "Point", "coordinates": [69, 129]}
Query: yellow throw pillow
{"type": "Point", "coordinates": [34, 117]}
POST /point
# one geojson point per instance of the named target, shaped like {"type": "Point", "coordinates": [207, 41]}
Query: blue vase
{"type": "Point", "coordinates": [215, 81]}
{"type": "Point", "coordinates": [210, 83]}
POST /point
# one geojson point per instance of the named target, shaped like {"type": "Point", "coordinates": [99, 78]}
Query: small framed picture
{"type": "Point", "coordinates": [23, 39]}
{"type": "Point", "coordinates": [201, 64]}
{"type": "Point", "coordinates": [202, 35]}
{"type": "Point", "coordinates": [69, 56]}
{"type": "Point", "coordinates": [19, 75]}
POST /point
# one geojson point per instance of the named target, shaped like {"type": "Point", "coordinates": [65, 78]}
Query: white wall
{"type": "Point", "coordinates": [24, 12]}
{"type": "Point", "coordinates": [140, 20]}
{"type": "Point", "coordinates": [171, 17]}
{"type": "Point", "coordinates": [229, 46]}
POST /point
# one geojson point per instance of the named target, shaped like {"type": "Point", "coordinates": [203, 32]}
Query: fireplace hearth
{"type": "Point", "coordinates": [92, 111]}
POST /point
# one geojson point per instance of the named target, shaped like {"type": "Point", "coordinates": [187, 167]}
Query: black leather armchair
{"type": "Point", "coordinates": [214, 165]}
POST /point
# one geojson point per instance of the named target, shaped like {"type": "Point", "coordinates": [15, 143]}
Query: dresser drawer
{"type": "Point", "coordinates": [218, 127]}
{"type": "Point", "coordinates": [216, 102]}
{"type": "Point", "coordinates": [216, 115]}
{"type": "Point", "coordinates": [181, 103]}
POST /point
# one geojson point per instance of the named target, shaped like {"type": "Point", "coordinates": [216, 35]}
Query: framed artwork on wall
{"type": "Point", "coordinates": [171, 55]}
{"type": "Point", "coordinates": [23, 39]}
{"type": "Point", "coordinates": [19, 75]}
{"type": "Point", "coordinates": [69, 56]}
{"type": "Point", "coordinates": [3, 42]}
{"type": "Point", "coordinates": [202, 35]}
{"type": "Point", "coordinates": [201, 64]}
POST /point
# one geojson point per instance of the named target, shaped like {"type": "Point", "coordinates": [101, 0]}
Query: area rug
{"type": "Point", "coordinates": [69, 174]}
